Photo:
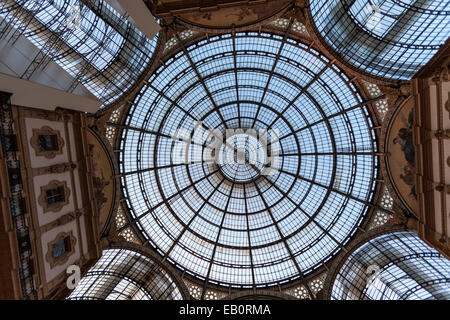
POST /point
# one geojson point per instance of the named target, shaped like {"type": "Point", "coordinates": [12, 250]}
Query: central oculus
{"type": "Point", "coordinates": [242, 157]}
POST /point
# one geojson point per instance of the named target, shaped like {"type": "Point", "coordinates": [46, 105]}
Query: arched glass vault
{"type": "Point", "coordinates": [259, 230]}
{"type": "Point", "coordinates": [123, 274]}
{"type": "Point", "coordinates": [387, 38]}
{"type": "Point", "coordinates": [105, 52]}
{"type": "Point", "coordinates": [397, 266]}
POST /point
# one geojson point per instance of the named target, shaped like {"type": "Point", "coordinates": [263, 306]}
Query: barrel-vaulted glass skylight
{"type": "Point", "coordinates": [403, 267]}
{"type": "Point", "coordinates": [104, 52]}
{"type": "Point", "coordinates": [237, 222]}
{"type": "Point", "coordinates": [123, 274]}
{"type": "Point", "coordinates": [387, 38]}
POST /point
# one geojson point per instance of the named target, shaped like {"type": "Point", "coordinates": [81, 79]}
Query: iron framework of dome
{"type": "Point", "coordinates": [261, 230]}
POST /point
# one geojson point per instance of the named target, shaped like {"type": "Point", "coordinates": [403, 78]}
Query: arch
{"type": "Point", "coordinates": [390, 264]}
{"type": "Point", "coordinates": [389, 39]}
{"type": "Point", "coordinates": [129, 272]}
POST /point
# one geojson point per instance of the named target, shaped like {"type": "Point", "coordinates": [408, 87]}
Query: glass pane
{"type": "Point", "coordinates": [59, 248]}
{"type": "Point", "coordinates": [48, 142]}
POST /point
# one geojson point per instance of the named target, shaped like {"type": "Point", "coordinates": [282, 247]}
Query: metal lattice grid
{"type": "Point", "coordinates": [387, 38]}
{"type": "Point", "coordinates": [271, 229]}
{"type": "Point", "coordinates": [106, 54]}
{"type": "Point", "coordinates": [126, 275]}
{"type": "Point", "coordinates": [398, 266]}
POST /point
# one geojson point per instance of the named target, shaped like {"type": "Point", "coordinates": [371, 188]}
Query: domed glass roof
{"type": "Point", "coordinates": [248, 159]}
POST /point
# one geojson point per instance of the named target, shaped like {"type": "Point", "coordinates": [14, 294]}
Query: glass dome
{"type": "Point", "coordinates": [248, 160]}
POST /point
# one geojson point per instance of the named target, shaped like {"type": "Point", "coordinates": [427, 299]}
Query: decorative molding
{"type": "Point", "coordinates": [62, 220]}
{"type": "Point", "coordinates": [431, 139]}
{"type": "Point", "coordinates": [65, 256]}
{"type": "Point", "coordinates": [57, 206]}
{"type": "Point", "coordinates": [182, 23]}
{"type": "Point", "coordinates": [447, 104]}
{"type": "Point", "coordinates": [46, 130]}
{"type": "Point", "coordinates": [57, 168]}
{"type": "Point", "coordinates": [443, 187]}
{"type": "Point", "coordinates": [59, 115]}
{"type": "Point", "coordinates": [399, 218]}
{"type": "Point", "coordinates": [63, 114]}
{"type": "Point", "coordinates": [396, 94]}
{"type": "Point", "coordinates": [442, 134]}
